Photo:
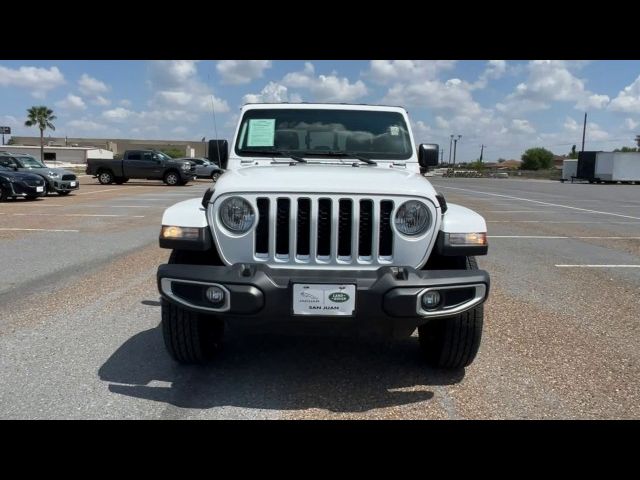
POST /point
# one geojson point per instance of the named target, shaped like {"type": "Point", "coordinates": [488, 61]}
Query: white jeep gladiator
{"type": "Point", "coordinates": [324, 216]}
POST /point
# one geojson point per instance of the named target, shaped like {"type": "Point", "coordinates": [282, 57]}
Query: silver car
{"type": "Point", "coordinates": [205, 168]}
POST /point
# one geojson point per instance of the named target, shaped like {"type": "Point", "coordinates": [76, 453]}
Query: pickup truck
{"type": "Point", "coordinates": [145, 164]}
{"type": "Point", "coordinates": [322, 218]}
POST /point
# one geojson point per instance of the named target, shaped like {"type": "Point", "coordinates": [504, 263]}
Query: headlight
{"type": "Point", "coordinates": [53, 174]}
{"type": "Point", "coordinates": [412, 218]}
{"type": "Point", "coordinates": [186, 166]}
{"type": "Point", "coordinates": [236, 214]}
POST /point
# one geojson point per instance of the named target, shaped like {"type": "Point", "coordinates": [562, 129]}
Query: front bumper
{"type": "Point", "coordinates": [22, 189]}
{"type": "Point", "coordinates": [387, 297]}
{"type": "Point", "coordinates": [63, 185]}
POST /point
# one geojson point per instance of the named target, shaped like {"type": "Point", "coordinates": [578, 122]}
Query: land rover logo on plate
{"type": "Point", "coordinates": [338, 297]}
{"type": "Point", "coordinates": [324, 299]}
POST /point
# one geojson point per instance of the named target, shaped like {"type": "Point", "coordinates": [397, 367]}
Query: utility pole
{"type": "Point", "coordinates": [481, 152]}
{"type": "Point", "coordinates": [455, 143]}
{"type": "Point", "coordinates": [584, 129]}
{"type": "Point", "coordinates": [450, 142]}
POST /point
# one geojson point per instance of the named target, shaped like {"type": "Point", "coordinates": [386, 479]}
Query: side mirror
{"type": "Point", "coordinates": [219, 153]}
{"type": "Point", "coordinates": [428, 155]}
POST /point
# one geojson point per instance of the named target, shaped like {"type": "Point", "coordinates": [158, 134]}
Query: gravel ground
{"type": "Point", "coordinates": [80, 337]}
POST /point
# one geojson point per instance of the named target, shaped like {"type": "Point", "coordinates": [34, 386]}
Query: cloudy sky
{"type": "Point", "coordinates": [507, 105]}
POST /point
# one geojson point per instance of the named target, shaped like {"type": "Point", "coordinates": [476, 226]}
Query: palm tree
{"type": "Point", "coordinates": [41, 117]}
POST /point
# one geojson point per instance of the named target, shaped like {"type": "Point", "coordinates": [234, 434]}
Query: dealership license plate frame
{"type": "Point", "coordinates": [317, 301]}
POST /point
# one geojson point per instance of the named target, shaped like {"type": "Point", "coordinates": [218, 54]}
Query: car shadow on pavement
{"type": "Point", "coordinates": [278, 373]}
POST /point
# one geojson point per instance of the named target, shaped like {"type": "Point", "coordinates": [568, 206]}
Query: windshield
{"type": "Point", "coordinates": [28, 161]}
{"type": "Point", "coordinates": [163, 156]}
{"type": "Point", "coordinates": [372, 134]}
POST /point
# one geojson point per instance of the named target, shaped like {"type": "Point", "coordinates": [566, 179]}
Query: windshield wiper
{"type": "Point", "coordinates": [282, 153]}
{"type": "Point", "coordinates": [332, 153]}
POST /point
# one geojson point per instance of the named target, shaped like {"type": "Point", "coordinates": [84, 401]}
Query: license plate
{"type": "Point", "coordinates": [73, 184]}
{"type": "Point", "coordinates": [39, 189]}
{"type": "Point", "coordinates": [323, 299]}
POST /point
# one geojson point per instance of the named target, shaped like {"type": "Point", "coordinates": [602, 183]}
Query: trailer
{"type": "Point", "coordinates": [608, 167]}
{"type": "Point", "coordinates": [569, 169]}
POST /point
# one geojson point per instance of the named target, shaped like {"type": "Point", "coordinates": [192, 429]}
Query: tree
{"type": "Point", "coordinates": [536, 158]}
{"type": "Point", "coordinates": [573, 153]}
{"type": "Point", "coordinates": [626, 149]}
{"type": "Point", "coordinates": [638, 140]}
{"type": "Point", "coordinates": [174, 152]}
{"type": "Point", "coordinates": [41, 117]}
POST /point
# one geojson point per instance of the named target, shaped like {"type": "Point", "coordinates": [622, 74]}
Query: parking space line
{"type": "Point", "coordinates": [543, 203]}
{"type": "Point", "coordinates": [598, 266]}
{"type": "Point", "coordinates": [69, 215]}
{"type": "Point", "coordinates": [554, 237]}
{"type": "Point", "coordinates": [564, 221]}
{"type": "Point", "coordinates": [518, 211]}
{"type": "Point", "coordinates": [36, 230]}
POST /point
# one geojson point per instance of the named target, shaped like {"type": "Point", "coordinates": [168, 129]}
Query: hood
{"type": "Point", "coordinates": [59, 171]}
{"type": "Point", "coordinates": [301, 178]}
{"type": "Point", "coordinates": [19, 175]}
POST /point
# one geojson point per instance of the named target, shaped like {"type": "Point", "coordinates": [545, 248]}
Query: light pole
{"type": "Point", "coordinates": [450, 142]}
{"type": "Point", "coordinates": [455, 143]}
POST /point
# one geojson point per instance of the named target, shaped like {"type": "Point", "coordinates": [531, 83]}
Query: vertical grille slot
{"type": "Point", "coordinates": [386, 234]}
{"type": "Point", "coordinates": [366, 228]}
{"type": "Point", "coordinates": [282, 226]}
{"type": "Point", "coordinates": [324, 227]}
{"type": "Point", "coordinates": [262, 230]}
{"type": "Point", "coordinates": [345, 217]}
{"type": "Point", "coordinates": [304, 226]}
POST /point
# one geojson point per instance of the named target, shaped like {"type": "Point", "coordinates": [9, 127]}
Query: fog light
{"type": "Point", "coordinates": [215, 295]}
{"type": "Point", "coordinates": [430, 299]}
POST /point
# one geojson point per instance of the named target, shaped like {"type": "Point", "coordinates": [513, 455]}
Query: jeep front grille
{"type": "Point", "coordinates": [323, 231]}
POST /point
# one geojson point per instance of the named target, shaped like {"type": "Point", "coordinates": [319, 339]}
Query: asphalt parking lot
{"type": "Point", "coordinates": [79, 316]}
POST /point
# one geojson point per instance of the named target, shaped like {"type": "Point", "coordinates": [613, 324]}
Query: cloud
{"type": "Point", "coordinates": [169, 74]}
{"type": "Point", "coordinates": [494, 70]}
{"type": "Point", "coordinates": [238, 72]}
{"type": "Point", "coordinates": [125, 103]}
{"type": "Point", "coordinates": [387, 71]}
{"type": "Point", "coordinates": [631, 124]}
{"type": "Point", "coordinates": [628, 99]}
{"type": "Point", "coordinates": [453, 96]}
{"type": "Point", "coordinates": [72, 102]}
{"type": "Point", "coordinates": [118, 114]}
{"type": "Point", "coordinates": [551, 81]}
{"type": "Point", "coordinates": [521, 126]}
{"type": "Point", "coordinates": [176, 86]}
{"type": "Point", "coordinates": [325, 88]}
{"type": "Point", "coordinates": [86, 125]}
{"type": "Point", "coordinates": [38, 80]}
{"type": "Point", "coordinates": [91, 86]}
{"type": "Point", "coordinates": [272, 93]}
{"type": "Point", "coordinates": [101, 101]}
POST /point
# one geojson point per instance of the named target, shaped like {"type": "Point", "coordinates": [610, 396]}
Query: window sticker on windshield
{"type": "Point", "coordinates": [394, 130]}
{"type": "Point", "coordinates": [261, 132]}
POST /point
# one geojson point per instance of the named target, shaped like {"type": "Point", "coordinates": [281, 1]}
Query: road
{"type": "Point", "coordinates": [79, 315]}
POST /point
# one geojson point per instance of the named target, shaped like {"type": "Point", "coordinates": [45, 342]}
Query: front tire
{"type": "Point", "coordinates": [172, 178]}
{"type": "Point", "coordinates": [215, 176]}
{"type": "Point", "coordinates": [453, 342]}
{"type": "Point", "coordinates": [190, 338]}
